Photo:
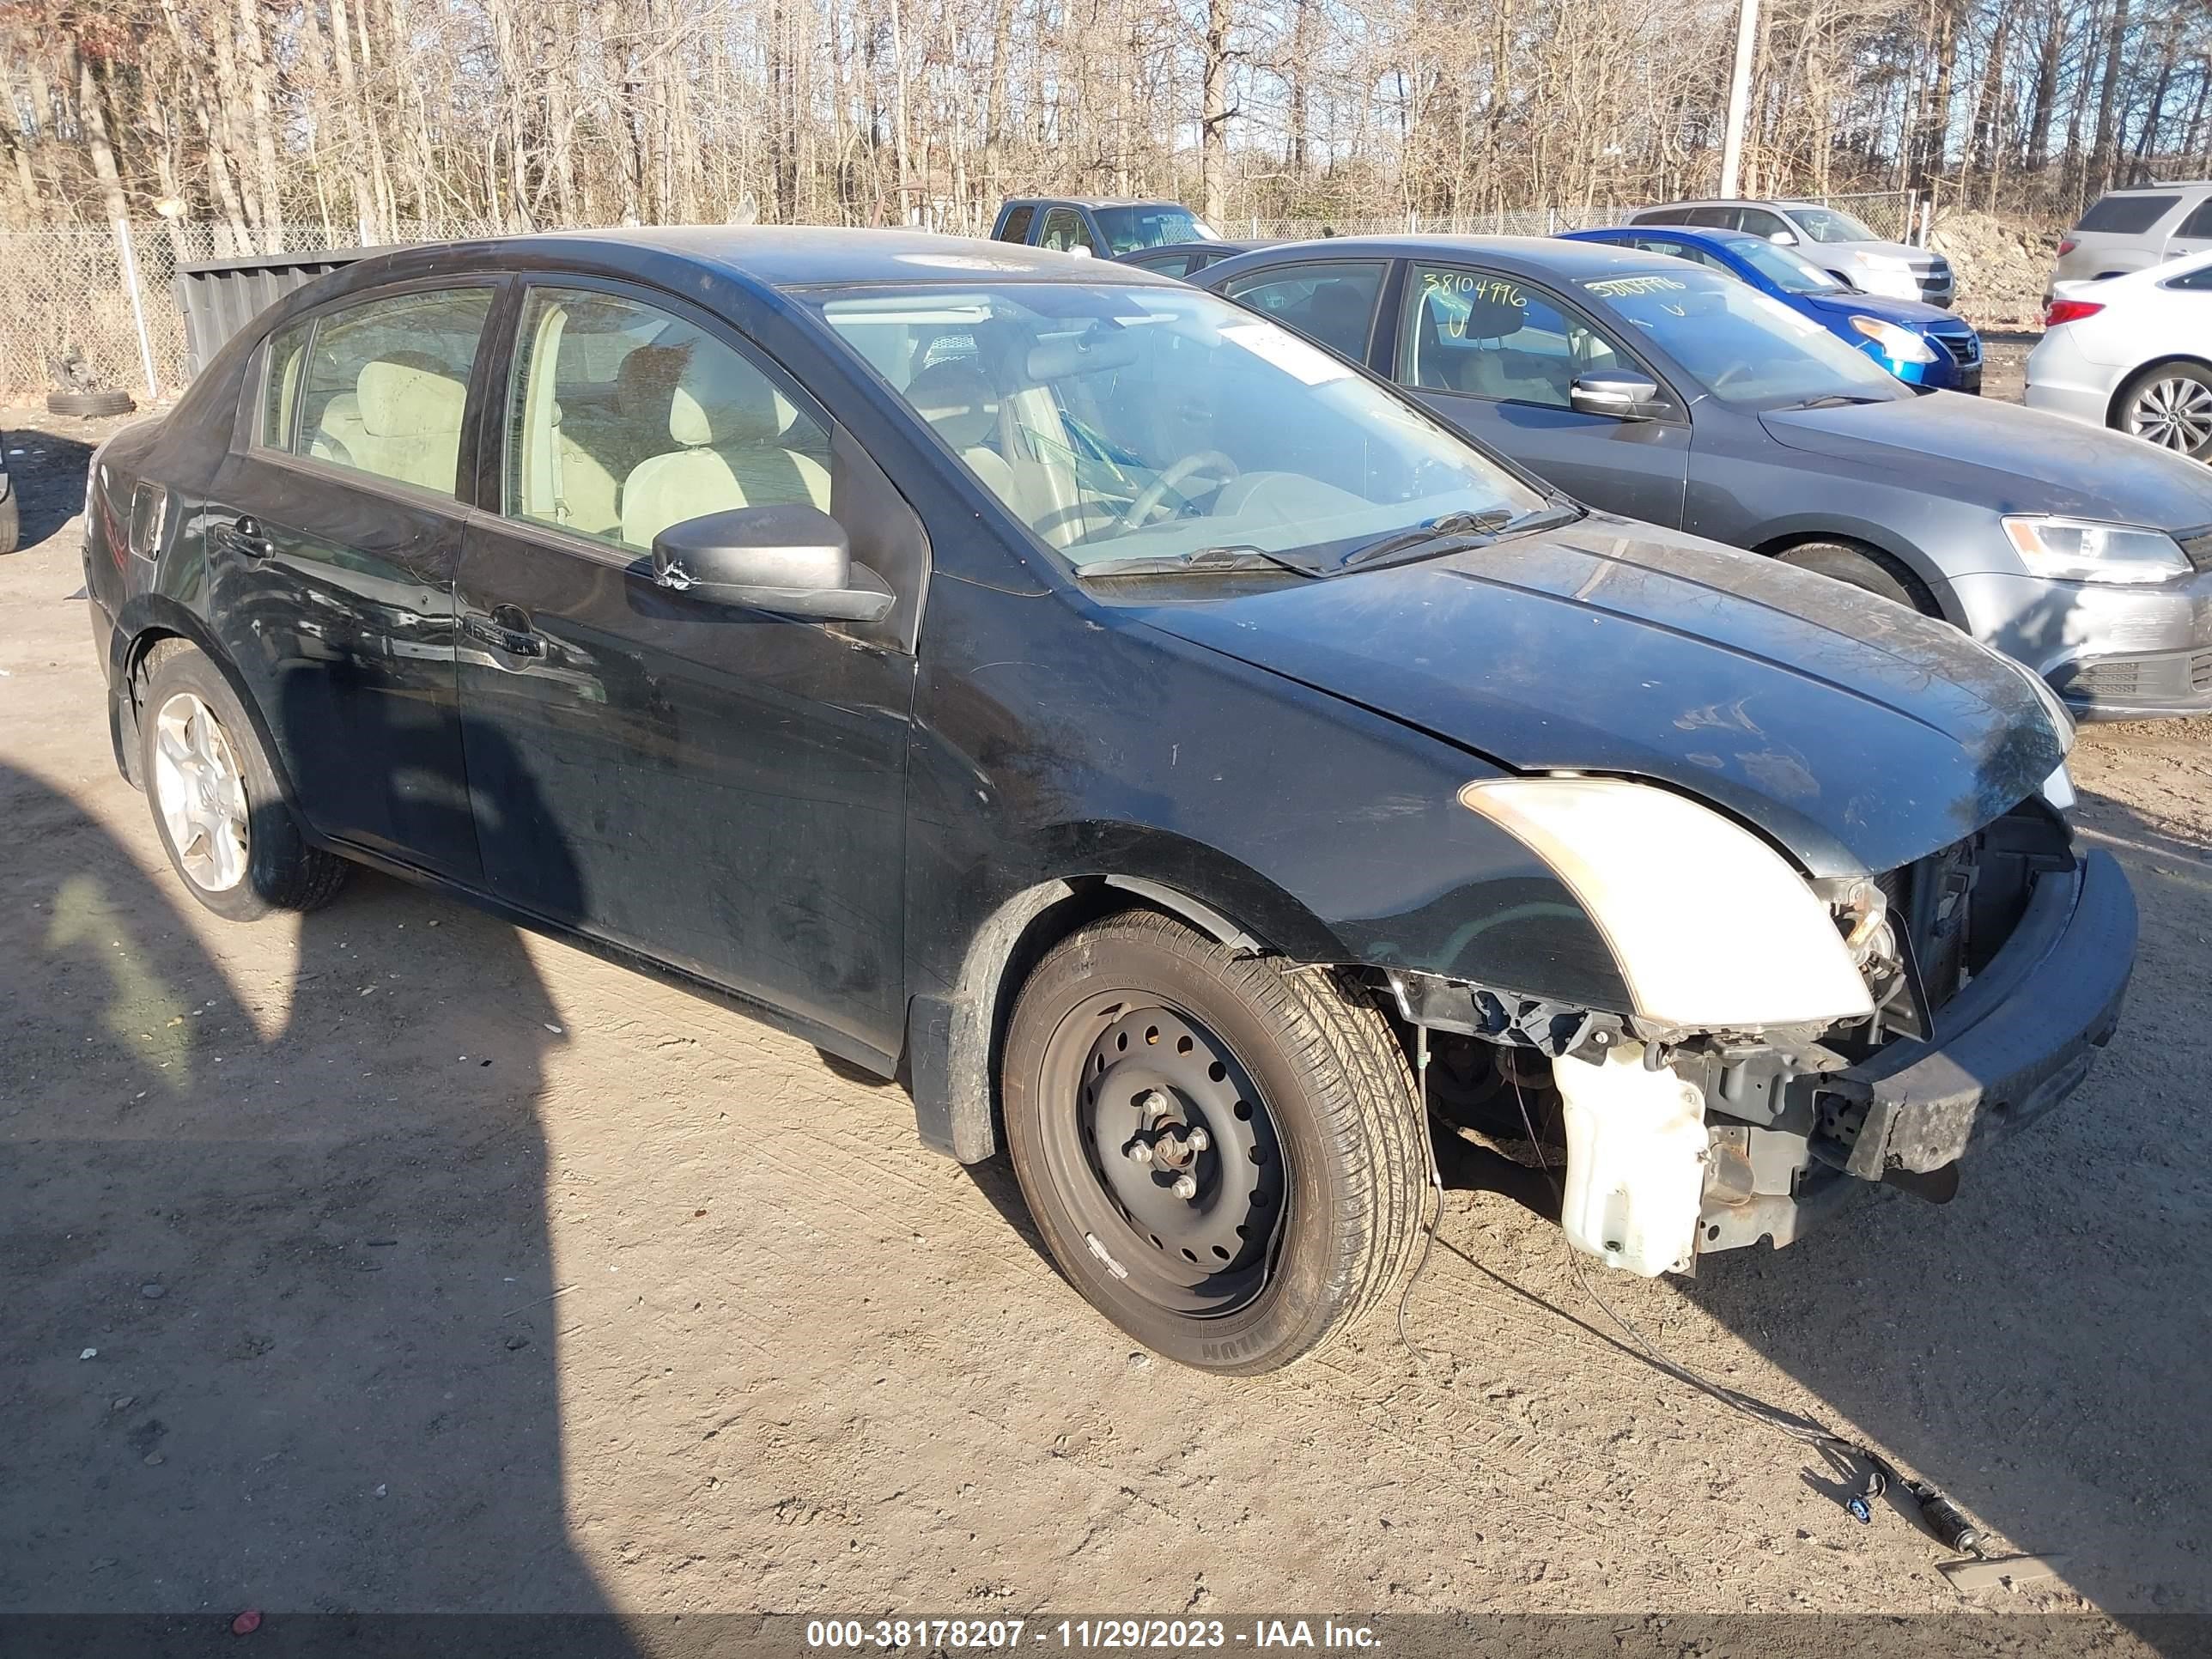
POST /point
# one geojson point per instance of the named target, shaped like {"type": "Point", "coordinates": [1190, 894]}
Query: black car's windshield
{"type": "Point", "coordinates": [1152, 225]}
{"type": "Point", "coordinates": [1125, 423]}
{"type": "Point", "coordinates": [1792, 273]}
{"type": "Point", "coordinates": [1743, 346]}
{"type": "Point", "coordinates": [1827, 224]}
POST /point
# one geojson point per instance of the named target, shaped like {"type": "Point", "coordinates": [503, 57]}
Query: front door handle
{"type": "Point", "coordinates": [246, 535]}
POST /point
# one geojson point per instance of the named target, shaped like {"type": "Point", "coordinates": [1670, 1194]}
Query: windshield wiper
{"type": "Point", "coordinates": [1226, 559]}
{"type": "Point", "coordinates": [1452, 532]}
{"type": "Point", "coordinates": [1835, 400]}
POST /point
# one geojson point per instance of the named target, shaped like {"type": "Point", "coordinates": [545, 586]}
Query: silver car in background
{"type": "Point", "coordinates": [1838, 242]}
{"type": "Point", "coordinates": [2130, 230]}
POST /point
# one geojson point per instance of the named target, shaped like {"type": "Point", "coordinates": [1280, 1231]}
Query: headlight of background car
{"type": "Point", "coordinates": [1711, 928]}
{"type": "Point", "coordinates": [1899, 345]}
{"type": "Point", "coordinates": [2083, 550]}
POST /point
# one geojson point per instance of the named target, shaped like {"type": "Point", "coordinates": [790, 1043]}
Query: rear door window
{"type": "Point", "coordinates": [278, 427]}
{"type": "Point", "coordinates": [1017, 228]}
{"type": "Point", "coordinates": [386, 383]}
{"type": "Point", "coordinates": [1332, 304]}
{"type": "Point", "coordinates": [2198, 224]}
{"type": "Point", "coordinates": [2127, 215]}
{"type": "Point", "coordinates": [1715, 218]}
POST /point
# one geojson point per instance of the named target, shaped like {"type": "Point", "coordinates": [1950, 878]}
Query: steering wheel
{"type": "Point", "coordinates": [1154, 496]}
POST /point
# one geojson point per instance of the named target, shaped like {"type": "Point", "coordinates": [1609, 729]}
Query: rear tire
{"type": "Point", "coordinates": [1862, 567]}
{"type": "Point", "coordinates": [222, 816]}
{"type": "Point", "coordinates": [1307, 1190]}
{"type": "Point", "coordinates": [2170, 405]}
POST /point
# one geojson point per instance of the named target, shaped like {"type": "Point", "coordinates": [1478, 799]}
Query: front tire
{"type": "Point", "coordinates": [222, 816]}
{"type": "Point", "coordinates": [1862, 567]}
{"type": "Point", "coordinates": [1224, 1154]}
{"type": "Point", "coordinates": [2170, 404]}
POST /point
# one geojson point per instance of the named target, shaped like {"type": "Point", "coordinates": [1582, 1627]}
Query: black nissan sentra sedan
{"type": "Point", "coordinates": [1168, 748]}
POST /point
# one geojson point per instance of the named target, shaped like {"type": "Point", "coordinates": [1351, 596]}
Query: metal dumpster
{"type": "Point", "coordinates": [220, 296]}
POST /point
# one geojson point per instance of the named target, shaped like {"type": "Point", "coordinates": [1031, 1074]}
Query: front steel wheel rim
{"type": "Point", "coordinates": [2176, 413]}
{"type": "Point", "coordinates": [200, 791]}
{"type": "Point", "coordinates": [1127, 1072]}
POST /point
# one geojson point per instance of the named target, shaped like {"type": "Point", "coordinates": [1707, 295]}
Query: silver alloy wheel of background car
{"type": "Point", "coordinates": [201, 793]}
{"type": "Point", "coordinates": [2173, 411]}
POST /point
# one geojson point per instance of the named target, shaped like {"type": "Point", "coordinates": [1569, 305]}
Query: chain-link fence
{"type": "Point", "coordinates": [102, 296]}
{"type": "Point", "coordinates": [100, 299]}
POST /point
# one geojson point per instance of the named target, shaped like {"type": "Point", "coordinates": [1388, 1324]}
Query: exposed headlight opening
{"type": "Point", "coordinates": [2085, 551]}
{"type": "Point", "coordinates": [1898, 345]}
{"type": "Point", "coordinates": [1711, 928]}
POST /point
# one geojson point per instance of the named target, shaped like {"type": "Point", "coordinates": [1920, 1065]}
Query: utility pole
{"type": "Point", "coordinates": [1738, 110]}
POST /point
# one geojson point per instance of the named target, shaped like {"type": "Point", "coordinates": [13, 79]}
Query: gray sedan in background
{"type": "Point", "coordinates": [1658, 390]}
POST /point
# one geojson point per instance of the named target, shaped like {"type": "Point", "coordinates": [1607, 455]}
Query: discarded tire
{"type": "Point", "coordinates": [83, 404]}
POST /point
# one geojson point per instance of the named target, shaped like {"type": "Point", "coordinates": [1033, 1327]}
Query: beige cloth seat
{"type": "Point", "coordinates": [404, 422]}
{"type": "Point", "coordinates": [731, 424]}
{"type": "Point", "coordinates": [957, 401]}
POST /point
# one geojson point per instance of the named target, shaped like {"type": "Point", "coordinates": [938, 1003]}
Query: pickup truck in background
{"type": "Point", "coordinates": [1103, 227]}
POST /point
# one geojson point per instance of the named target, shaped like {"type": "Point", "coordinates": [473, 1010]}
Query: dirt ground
{"type": "Point", "coordinates": [396, 1261]}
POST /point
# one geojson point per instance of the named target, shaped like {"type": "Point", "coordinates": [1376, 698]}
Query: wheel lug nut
{"type": "Point", "coordinates": [1155, 1103]}
{"type": "Point", "coordinates": [1139, 1153]}
{"type": "Point", "coordinates": [1185, 1187]}
{"type": "Point", "coordinates": [1198, 1140]}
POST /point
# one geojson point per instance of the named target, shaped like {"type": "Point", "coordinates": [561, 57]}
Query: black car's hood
{"type": "Point", "coordinates": [2006, 458]}
{"type": "Point", "coordinates": [1855, 733]}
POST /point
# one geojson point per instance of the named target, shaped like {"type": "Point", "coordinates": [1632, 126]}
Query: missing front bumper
{"type": "Point", "coordinates": [2015, 1043]}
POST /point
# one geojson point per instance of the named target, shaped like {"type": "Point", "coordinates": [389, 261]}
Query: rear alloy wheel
{"type": "Point", "coordinates": [221, 815]}
{"type": "Point", "coordinates": [2170, 404]}
{"type": "Point", "coordinates": [1224, 1154]}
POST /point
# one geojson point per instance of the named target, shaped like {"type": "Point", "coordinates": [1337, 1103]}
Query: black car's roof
{"type": "Point", "coordinates": [1526, 256]}
{"type": "Point", "coordinates": [791, 256]}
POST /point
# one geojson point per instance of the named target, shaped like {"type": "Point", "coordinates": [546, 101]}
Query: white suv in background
{"type": "Point", "coordinates": [2133, 353]}
{"type": "Point", "coordinates": [2127, 230]}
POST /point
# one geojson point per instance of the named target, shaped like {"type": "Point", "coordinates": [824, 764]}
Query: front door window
{"type": "Point", "coordinates": [1493, 335]}
{"type": "Point", "coordinates": [622, 419]}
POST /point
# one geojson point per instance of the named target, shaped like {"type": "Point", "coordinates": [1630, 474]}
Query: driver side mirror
{"type": "Point", "coordinates": [1621, 392]}
{"type": "Point", "coordinates": [792, 559]}
{"type": "Point", "coordinates": [1783, 238]}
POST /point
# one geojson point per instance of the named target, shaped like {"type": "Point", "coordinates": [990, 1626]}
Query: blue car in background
{"type": "Point", "coordinates": [1920, 344]}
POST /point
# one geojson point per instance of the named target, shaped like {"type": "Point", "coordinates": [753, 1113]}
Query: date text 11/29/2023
{"type": "Point", "coordinates": [1088, 1635]}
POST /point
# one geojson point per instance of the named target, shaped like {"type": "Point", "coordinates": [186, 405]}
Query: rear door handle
{"type": "Point", "coordinates": [245, 535]}
{"type": "Point", "coordinates": [507, 629]}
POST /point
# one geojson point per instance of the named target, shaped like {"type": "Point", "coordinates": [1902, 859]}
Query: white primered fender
{"type": "Point", "coordinates": [1711, 928]}
{"type": "Point", "coordinates": [1635, 1161]}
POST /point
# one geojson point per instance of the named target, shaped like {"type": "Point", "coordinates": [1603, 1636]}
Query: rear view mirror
{"type": "Point", "coordinates": [794, 560]}
{"type": "Point", "coordinates": [1620, 392]}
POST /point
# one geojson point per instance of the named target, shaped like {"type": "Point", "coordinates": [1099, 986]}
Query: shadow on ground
{"type": "Point", "coordinates": [270, 1382]}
